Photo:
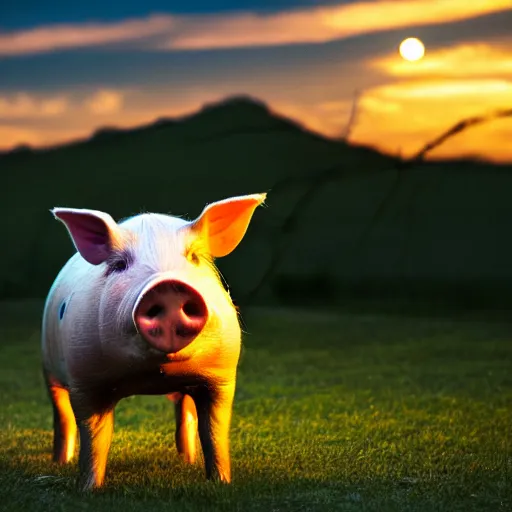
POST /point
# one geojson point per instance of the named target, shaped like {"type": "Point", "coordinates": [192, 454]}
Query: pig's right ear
{"type": "Point", "coordinates": [94, 233]}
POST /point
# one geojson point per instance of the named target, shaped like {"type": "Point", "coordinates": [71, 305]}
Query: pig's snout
{"type": "Point", "coordinates": [170, 315]}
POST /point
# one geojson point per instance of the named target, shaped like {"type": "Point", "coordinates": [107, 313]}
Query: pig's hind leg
{"type": "Point", "coordinates": [64, 423]}
{"type": "Point", "coordinates": [186, 426]}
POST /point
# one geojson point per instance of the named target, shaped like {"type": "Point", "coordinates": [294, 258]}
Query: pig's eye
{"type": "Point", "coordinates": [193, 258]}
{"type": "Point", "coordinates": [195, 253]}
{"type": "Point", "coordinates": [118, 264]}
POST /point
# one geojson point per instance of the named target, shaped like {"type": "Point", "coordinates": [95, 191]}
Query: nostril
{"type": "Point", "coordinates": [154, 310]}
{"type": "Point", "coordinates": [193, 309]}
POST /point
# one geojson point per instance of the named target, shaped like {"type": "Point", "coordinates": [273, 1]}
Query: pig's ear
{"type": "Point", "coordinates": [223, 224]}
{"type": "Point", "coordinates": [94, 233]}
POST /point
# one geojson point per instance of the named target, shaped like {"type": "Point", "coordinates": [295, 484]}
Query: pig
{"type": "Point", "coordinates": [140, 309]}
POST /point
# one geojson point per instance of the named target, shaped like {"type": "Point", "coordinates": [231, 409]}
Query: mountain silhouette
{"type": "Point", "coordinates": [341, 219]}
{"type": "Point", "coordinates": [238, 115]}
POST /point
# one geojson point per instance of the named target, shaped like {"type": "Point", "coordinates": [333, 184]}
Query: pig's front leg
{"type": "Point", "coordinates": [214, 407]}
{"type": "Point", "coordinates": [186, 428]}
{"type": "Point", "coordinates": [95, 425]}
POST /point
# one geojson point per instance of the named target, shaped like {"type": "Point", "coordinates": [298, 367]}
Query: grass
{"type": "Point", "coordinates": [333, 412]}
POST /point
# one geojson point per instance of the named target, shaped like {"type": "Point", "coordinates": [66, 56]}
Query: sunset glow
{"type": "Point", "coordinates": [128, 71]}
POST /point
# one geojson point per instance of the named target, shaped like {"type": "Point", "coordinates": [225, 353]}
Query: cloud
{"type": "Point", "coordinates": [442, 90]}
{"type": "Point", "coordinates": [105, 102]}
{"type": "Point", "coordinates": [405, 115]}
{"type": "Point", "coordinates": [462, 60]}
{"type": "Point", "coordinates": [67, 36]}
{"type": "Point", "coordinates": [246, 29]}
{"type": "Point", "coordinates": [381, 105]}
{"type": "Point", "coordinates": [323, 24]}
{"type": "Point", "coordinates": [23, 105]}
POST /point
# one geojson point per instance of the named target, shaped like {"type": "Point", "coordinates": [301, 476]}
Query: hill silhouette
{"type": "Point", "coordinates": [441, 229]}
{"type": "Point", "coordinates": [236, 113]}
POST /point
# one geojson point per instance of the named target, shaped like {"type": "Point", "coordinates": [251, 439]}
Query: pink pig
{"type": "Point", "coordinates": [140, 309]}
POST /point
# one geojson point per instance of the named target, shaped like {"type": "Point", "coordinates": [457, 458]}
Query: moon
{"type": "Point", "coordinates": [412, 49]}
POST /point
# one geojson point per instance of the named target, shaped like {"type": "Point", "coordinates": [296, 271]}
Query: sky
{"type": "Point", "coordinates": [67, 69]}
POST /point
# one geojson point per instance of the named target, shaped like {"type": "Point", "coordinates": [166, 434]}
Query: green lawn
{"type": "Point", "coordinates": [348, 412]}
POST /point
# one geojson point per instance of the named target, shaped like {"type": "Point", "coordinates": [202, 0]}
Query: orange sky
{"type": "Point", "coordinates": [401, 104]}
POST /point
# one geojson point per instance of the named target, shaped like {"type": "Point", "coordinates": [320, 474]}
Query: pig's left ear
{"type": "Point", "coordinates": [94, 233]}
{"type": "Point", "coordinates": [223, 224]}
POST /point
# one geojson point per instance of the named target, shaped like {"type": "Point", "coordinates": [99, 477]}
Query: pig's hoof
{"type": "Point", "coordinates": [219, 478]}
{"type": "Point", "coordinates": [87, 485]}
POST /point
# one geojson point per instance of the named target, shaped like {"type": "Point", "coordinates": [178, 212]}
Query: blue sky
{"type": "Point", "coordinates": [67, 69]}
{"type": "Point", "coordinates": [27, 13]}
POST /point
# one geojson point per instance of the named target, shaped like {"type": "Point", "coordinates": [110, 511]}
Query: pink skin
{"type": "Point", "coordinates": [141, 310]}
{"type": "Point", "coordinates": [170, 315]}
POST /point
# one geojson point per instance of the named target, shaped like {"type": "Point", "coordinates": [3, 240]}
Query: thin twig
{"type": "Point", "coordinates": [353, 116]}
{"type": "Point", "coordinates": [418, 158]}
{"type": "Point", "coordinates": [319, 178]}
{"type": "Point", "coordinates": [458, 128]}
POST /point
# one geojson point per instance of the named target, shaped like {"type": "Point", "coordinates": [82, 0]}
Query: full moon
{"type": "Point", "coordinates": [412, 49]}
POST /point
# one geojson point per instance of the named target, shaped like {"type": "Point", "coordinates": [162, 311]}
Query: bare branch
{"type": "Point", "coordinates": [289, 224]}
{"type": "Point", "coordinates": [316, 180]}
{"type": "Point", "coordinates": [458, 128]}
{"type": "Point", "coordinates": [353, 116]}
{"type": "Point", "coordinates": [418, 158]}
